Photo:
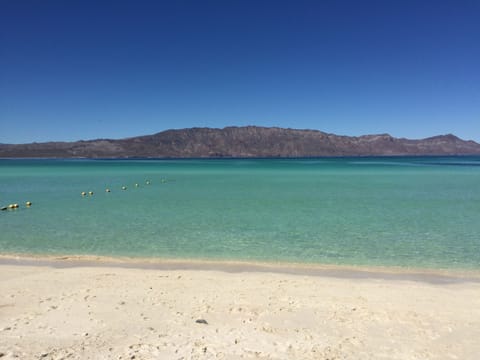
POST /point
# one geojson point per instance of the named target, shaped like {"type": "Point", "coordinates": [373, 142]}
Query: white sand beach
{"type": "Point", "coordinates": [126, 312]}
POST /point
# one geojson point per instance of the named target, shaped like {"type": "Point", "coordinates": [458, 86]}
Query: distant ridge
{"type": "Point", "coordinates": [247, 141]}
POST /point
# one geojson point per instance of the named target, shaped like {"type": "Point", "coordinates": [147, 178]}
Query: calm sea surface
{"type": "Point", "coordinates": [421, 212]}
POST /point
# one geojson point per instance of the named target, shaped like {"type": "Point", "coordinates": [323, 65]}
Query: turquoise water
{"type": "Point", "coordinates": [421, 212]}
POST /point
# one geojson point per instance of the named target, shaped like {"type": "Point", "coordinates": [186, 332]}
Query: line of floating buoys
{"type": "Point", "coordinates": [124, 187]}
{"type": "Point", "coordinates": [15, 206]}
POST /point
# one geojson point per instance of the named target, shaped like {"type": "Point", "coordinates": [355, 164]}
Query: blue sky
{"type": "Point", "coordinates": [73, 70]}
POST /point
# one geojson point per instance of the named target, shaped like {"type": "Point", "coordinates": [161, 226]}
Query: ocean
{"type": "Point", "coordinates": [421, 212]}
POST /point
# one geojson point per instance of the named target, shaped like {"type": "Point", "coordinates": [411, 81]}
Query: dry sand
{"type": "Point", "coordinates": [115, 312]}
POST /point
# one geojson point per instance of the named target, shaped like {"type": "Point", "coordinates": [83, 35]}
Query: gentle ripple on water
{"type": "Point", "coordinates": [420, 212]}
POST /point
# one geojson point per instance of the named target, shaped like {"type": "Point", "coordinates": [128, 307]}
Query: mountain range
{"type": "Point", "coordinates": [247, 141]}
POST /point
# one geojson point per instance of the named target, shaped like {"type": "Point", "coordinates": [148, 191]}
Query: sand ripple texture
{"type": "Point", "coordinates": [121, 313]}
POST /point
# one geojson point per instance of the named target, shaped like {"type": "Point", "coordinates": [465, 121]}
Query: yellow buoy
{"type": "Point", "coordinates": [107, 190]}
{"type": "Point", "coordinates": [11, 206]}
{"type": "Point", "coordinates": [136, 185]}
{"type": "Point", "coordinates": [28, 203]}
{"type": "Point", "coordinates": [124, 188]}
{"type": "Point", "coordinates": [84, 193]}
{"type": "Point", "coordinates": [90, 193]}
{"type": "Point", "coordinates": [147, 182]}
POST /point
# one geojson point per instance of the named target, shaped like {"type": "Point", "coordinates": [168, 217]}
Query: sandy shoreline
{"type": "Point", "coordinates": [71, 309]}
{"type": "Point", "coordinates": [234, 266]}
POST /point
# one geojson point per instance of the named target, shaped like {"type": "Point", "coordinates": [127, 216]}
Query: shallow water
{"type": "Point", "coordinates": [420, 212]}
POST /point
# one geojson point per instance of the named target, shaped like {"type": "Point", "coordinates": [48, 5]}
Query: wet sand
{"type": "Point", "coordinates": [98, 308]}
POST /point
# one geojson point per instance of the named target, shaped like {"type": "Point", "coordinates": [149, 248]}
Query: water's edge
{"type": "Point", "coordinates": [433, 276]}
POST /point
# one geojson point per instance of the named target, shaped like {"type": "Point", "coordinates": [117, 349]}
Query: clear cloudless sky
{"type": "Point", "coordinates": [73, 70]}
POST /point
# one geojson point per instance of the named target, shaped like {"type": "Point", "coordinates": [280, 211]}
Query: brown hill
{"type": "Point", "coordinates": [249, 141]}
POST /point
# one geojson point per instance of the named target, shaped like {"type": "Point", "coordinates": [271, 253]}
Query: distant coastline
{"type": "Point", "coordinates": [243, 142]}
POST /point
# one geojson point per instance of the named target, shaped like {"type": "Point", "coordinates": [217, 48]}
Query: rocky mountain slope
{"type": "Point", "coordinates": [249, 141]}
